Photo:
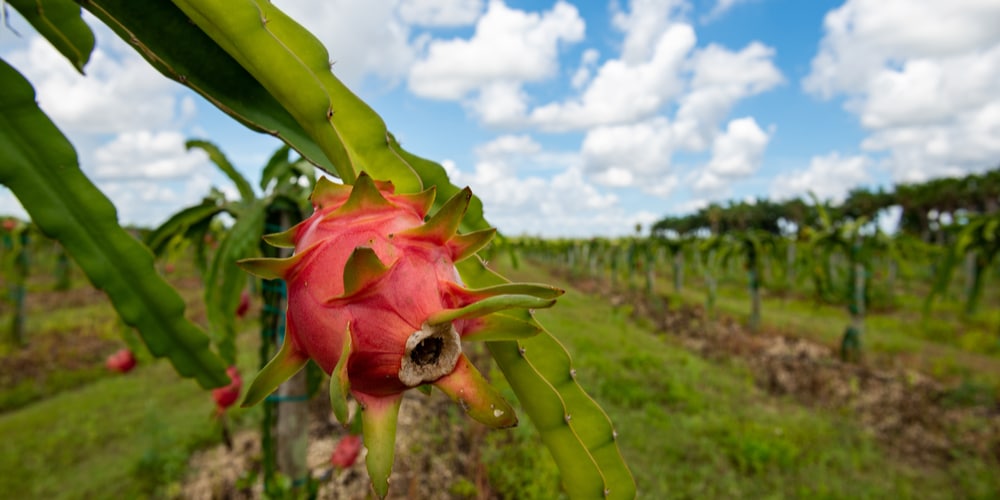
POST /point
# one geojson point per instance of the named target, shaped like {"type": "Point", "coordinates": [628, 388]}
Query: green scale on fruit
{"type": "Point", "coordinates": [375, 300]}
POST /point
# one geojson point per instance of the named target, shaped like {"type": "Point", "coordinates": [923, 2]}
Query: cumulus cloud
{"type": "Point", "coordinates": [506, 145]}
{"type": "Point", "coordinates": [508, 45]}
{"type": "Point", "coordinates": [623, 91]}
{"type": "Point", "coordinates": [370, 38]}
{"type": "Point", "coordinates": [629, 155]}
{"type": "Point", "coordinates": [440, 12]}
{"type": "Point", "coordinates": [563, 203]}
{"type": "Point", "coordinates": [588, 60]}
{"type": "Point", "coordinates": [921, 76]}
{"type": "Point", "coordinates": [644, 24]}
{"type": "Point", "coordinates": [146, 155]}
{"type": "Point", "coordinates": [737, 153]}
{"type": "Point", "coordinates": [120, 91]}
{"type": "Point", "coordinates": [720, 79]}
{"type": "Point", "coordinates": [720, 8]}
{"type": "Point", "coordinates": [830, 177]}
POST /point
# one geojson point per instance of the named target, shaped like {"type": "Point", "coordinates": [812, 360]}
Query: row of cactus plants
{"type": "Point", "coordinates": [266, 71]}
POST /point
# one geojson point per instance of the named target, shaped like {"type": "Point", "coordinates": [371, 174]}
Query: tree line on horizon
{"type": "Point", "coordinates": [927, 208]}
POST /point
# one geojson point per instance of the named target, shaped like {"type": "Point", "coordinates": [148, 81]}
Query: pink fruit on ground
{"type": "Point", "coordinates": [122, 361]}
{"type": "Point", "coordinates": [346, 452]}
{"type": "Point", "coordinates": [244, 306]}
{"type": "Point", "coordinates": [375, 299]}
{"type": "Point", "coordinates": [227, 396]}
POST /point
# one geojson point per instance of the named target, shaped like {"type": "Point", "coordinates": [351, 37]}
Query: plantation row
{"type": "Point", "coordinates": [848, 262]}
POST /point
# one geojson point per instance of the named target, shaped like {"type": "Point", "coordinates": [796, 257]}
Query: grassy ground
{"type": "Point", "coordinates": [72, 429]}
{"type": "Point", "coordinates": [693, 428]}
{"type": "Point", "coordinates": [943, 344]}
{"type": "Point", "coordinates": [688, 427]}
{"type": "Point", "coordinates": [119, 437]}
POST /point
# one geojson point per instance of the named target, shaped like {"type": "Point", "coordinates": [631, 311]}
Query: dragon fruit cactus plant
{"type": "Point", "coordinates": [374, 298]}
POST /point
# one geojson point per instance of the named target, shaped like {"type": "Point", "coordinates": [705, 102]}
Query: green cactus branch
{"type": "Point", "coordinates": [39, 165]}
{"type": "Point", "coordinates": [573, 427]}
{"type": "Point", "coordinates": [60, 23]}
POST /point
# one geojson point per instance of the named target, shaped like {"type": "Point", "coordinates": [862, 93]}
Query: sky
{"type": "Point", "coordinates": [579, 118]}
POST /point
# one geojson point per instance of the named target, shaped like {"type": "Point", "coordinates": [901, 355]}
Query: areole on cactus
{"type": "Point", "coordinates": [375, 300]}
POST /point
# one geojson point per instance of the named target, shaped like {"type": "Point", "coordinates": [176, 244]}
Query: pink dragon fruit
{"type": "Point", "coordinates": [122, 361]}
{"type": "Point", "coordinates": [226, 396]}
{"type": "Point", "coordinates": [346, 451]}
{"type": "Point", "coordinates": [374, 298]}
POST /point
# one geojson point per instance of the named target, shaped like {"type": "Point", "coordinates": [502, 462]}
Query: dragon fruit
{"type": "Point", "coordinates": [346, 451]}
{"type": "Point", "coordinates": [122, 361]}
{"type": "Point", "coordinates": [226, 396]}
{"type": "Point", "coordinates": [375, 299]}
{"type": "Point", "coordinates": [244, 305]}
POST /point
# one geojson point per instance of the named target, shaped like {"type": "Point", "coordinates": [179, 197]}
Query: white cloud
{"type": "Point", "coordinates": [863, 37]}
{"type": "Point", "coordinates": [509, 46]}
{"type": "Point", "coordinates": [588, 60]}
{"type": "Point", "coordinates": [440, 12]}
{"type": "Point", "coordinates": [146, 155]}
{"type": "Point", "coordinates": [644, 24]}
{"type": "Point", "coordinates": [508, 145]}
{"type": "Point", "coordinates": [629, 155]}
{"type": "Point", "coordinates": [721, 78]}
{"type": "Point", "coordinates": [364, 38]}
{"type": "Point", "coordinates": [563, 204]}
{"type": "Point", "coordinates": [501, 103]}
{"type": "Point", "coordinates": [120, 92]}
{"type": "Point", "coordinates": [736, 153]}
{"type": "Point", "coordinates": [9, 205]}
{"type": "Point", "coordinates": [623, 91]}
{"type": "Point", "coordinates": [922, 76]}
{"type": "Point", "coordinates": [740, 150]}
{"type": "Point", "coordinates": [830, 177]}
{"type": "Point", "coordinates": [721, 7]}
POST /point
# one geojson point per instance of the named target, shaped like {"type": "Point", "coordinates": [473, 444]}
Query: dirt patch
{"type": "Point", "coordinates": [48, 354]}
{"type": "Point", "coordinates": [437, 457]}
{"type": "Point", "coordinates": [915, 416]}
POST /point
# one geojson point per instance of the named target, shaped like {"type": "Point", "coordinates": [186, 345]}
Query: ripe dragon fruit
{"type": "Point", "coordinates": [244, 305]}
{"type": "Point", "coordinates": [374, 298]}
{"type": "Point", "coordinates": [122, 361]}
{"type": "Point", "coordinates": [226, 396]}
{"type": "Point", "coordinates": [346, 451]}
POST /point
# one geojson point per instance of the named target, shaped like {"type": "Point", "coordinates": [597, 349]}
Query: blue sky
{"type": "Point", "coordinates": [583, 118]}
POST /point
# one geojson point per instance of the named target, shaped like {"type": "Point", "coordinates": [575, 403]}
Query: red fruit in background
{"type": "Point", "coordinates": [169, 268]}
{"type": "Point", "coordinates": [241, 310]}
{"type": "Point", "coordinates": [122, 361]}
{"type": "Point", "coordinates": [346, 451]}
{"type": "Point", "coordinates": [227, 396]}
{"type": "Point", "coordinates": [9, 224]}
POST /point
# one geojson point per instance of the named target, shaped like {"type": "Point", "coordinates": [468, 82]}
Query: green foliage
{"type": "Point", "coordinates": [257, 64]}
{"type": "Point", "coordinates": [717, 435]}
{"type": "Point", "coordinates": [40, 168]}
{"type": "Point", "coordinates": [518, 466]}
{"type": "Point", "coordinates": [60, 23]}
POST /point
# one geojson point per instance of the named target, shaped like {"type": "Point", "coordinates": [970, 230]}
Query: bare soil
{"type": "Point", "coordinates": [919, 419]}
{"type": "Point", "coordinates": [436, 450]}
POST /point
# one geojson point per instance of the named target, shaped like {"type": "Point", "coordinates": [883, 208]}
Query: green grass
{"type": "Point", "coordinates": [943, 344]}
{"type": "Point", "coordinates": [693, 428]}
{"type": "Point", "coordinates": [126, 436]}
